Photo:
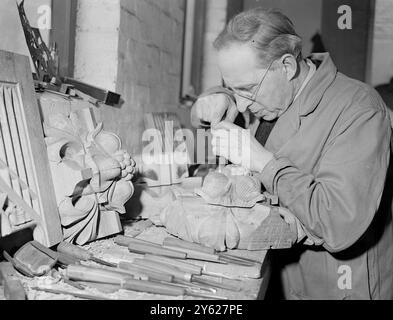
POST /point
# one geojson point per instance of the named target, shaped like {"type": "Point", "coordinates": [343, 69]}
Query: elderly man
{"type": "Point", "coordinates": [322, 146]}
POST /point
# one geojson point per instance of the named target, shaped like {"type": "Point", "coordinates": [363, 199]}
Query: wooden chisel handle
{"type": "Point", "coordinates": [67, 259]}
{"type": "Point", "coordinates": [145, 249]}
{"type": "Point", "coordinates": [173, 242]}
{"type": "Point", "coordinates": [83, 273]}
{"type": "Point", "coordinates": [153, 287]}
{"type": "Point", "coordinates": [125, 241]}
{"type": "Point", "coordinates": [197, 255]}
{"type": "Point", "coordinates": [75, 251]}
{"type": "Point", "coordinates": [176, 273]}
{"type": "Point", "coordinates": [153, 275]}
{"type": "Point", "coordinates": [184, 266]}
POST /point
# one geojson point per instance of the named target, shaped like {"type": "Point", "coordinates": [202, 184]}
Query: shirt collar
{"type": "Point", "coordinates": [319, 82]}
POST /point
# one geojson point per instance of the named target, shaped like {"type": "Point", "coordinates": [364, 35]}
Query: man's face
{"type": "Point", "coordinates": [241, 72]}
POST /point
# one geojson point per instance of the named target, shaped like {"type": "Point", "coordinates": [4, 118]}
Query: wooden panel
{"type": "Point", "coordinates": [24, 169]}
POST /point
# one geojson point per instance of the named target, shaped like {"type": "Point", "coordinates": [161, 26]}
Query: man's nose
{"type": "Point", "coordinates": [242, 103]}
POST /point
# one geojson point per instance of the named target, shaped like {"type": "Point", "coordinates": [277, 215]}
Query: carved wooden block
{"type": "Point", "coordinates": [91, 173]}
{"type": "Point", "coordinates": [27, 196]}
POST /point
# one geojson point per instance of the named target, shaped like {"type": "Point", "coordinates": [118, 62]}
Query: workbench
{"type": "Point", "coordinates": [250, 289]}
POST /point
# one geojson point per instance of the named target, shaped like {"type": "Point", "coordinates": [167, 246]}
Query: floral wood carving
{"type": "Point", "coordinates": [91, 172]}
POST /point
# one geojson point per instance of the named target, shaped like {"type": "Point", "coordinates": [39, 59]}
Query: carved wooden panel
{"type": "Point", "coordinates": [27, 197]}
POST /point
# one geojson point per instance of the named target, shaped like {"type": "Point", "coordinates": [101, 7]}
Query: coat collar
{"type": "Point", "coordinates": [324, 76]}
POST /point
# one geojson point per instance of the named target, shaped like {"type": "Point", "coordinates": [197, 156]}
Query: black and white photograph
{"type": "Point", "coordinates": [194, 157]}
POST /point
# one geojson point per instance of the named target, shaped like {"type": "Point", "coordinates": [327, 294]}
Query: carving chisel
{"type": "Point", "coordinates": [77, 252]}
{"type": "Point", "coordinates": [83, 273]}
{"type": "Point", "coordinates": [187, 267]}
{"type": "Point", "coordinates": [159, 276]}
{"type": "Point", "coordinates": [146, 247]}
{"type": "Point", "coordinates": [180, 275]}
{"type": "Point", "coordinates": [186, 245]}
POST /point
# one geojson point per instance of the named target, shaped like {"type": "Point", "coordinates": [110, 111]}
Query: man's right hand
{"type": "Point", "coordinates": [209, 110]}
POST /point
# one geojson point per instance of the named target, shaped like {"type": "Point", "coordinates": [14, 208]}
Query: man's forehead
{"type": "Point", "coordinates": [237, 61]}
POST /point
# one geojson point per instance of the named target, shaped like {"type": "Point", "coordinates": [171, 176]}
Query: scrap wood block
{"type": "Point", "coordinates": [34, 259]}
{"type": "Point", "coordinates": [273, 233]}
{"type": "Point", "coordinates": [13, 288]}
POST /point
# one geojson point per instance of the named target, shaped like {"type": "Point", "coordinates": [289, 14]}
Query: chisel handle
{"type": "Point", "coordinates": [175, 272]}
{"type": "Point", "coordinates": [184, 266]}
{"type": "Point", "coordinates": [197, 255]}
{"type": "Point", "coordinates": [75, 251]}
{"type": "Point", "coordinates": [66, 259]}
{"type": "Point", "coordinates": [153, 275]}
{"type": "Point", "coordinates": [153, 287]}
{"type": "Point", "coordinates": [83, 273]}
{"type": "Point", "coordinates": [173, 242]}
{"type": "Point", "coordinates": [125, 241]}
{"type": "Point", "coordinates": [157, 250]}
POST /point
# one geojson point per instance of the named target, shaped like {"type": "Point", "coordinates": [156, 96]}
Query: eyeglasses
{"type": "Point", "coordinates": [254, 95]}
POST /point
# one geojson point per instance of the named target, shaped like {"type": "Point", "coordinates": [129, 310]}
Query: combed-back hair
{"type": "Point", "coordinates": [269, 31]}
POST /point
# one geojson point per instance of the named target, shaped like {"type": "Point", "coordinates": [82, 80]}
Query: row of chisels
{"type": "Point", "coordinates": [165, 269]}
{"type": "Point", "coordinates": [180, 249]}
{"type": "Point", "coordinates": [161, 270]}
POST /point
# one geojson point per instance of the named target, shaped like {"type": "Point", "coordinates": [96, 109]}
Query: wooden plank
{"type": "Point", "coordinates": [15, 72]}
{"type": "Point", "coordinates": [105, 96]}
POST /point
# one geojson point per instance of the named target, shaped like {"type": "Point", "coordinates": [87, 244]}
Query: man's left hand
{"type": "Point", "coordinates": [238, 146]}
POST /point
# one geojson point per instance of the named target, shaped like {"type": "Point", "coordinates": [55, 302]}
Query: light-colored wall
{"type": "Point", "coordinates": [216, 13]}
{"type": "Point", "coordinates": [135, 48]}
{"type": "Point", "coordinates": [96, 42]}
{"type": "Point", "coordinates": [382, 52]}
{"type": "Point", "coordinates": [306, 15]}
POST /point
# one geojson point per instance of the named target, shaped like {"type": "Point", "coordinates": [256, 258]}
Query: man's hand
{"type": "Point", "coordinates": [210, 110]}
{"type": "Point", "coordinates": [238, 146]}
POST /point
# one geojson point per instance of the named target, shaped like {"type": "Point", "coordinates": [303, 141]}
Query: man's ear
{"type": "Point", "coordinates": [290, 65]}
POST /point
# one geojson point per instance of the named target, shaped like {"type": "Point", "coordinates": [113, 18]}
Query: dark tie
{"type": "Point", "coordinates": [263, 131]}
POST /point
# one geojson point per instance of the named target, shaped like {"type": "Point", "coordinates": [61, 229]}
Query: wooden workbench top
{"type": "Point", "coordinates": [250, 288]}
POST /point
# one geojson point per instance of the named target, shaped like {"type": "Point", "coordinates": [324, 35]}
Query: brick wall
{"type": "Point", "coordinates": [149, 40]}
{"type": "Point", "coordinates": [216, 14]}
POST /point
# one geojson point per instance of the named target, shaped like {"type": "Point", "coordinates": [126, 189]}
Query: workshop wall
{"type": "Point", "coordinates": [135, 48]}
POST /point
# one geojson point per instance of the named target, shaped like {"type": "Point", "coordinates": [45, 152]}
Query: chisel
{"type": "Point", "coordinates": [180, 275]}
{"type": "Point", "coordinates": [187, 267]}
{"type": "Point", "coordinates": [143, 247]}
{"type": "Point", "coordinates": [77, 252]}
{"type": "Point", "coordinates": [158, 250]}
{"type": "Point", "coordinates": [178, 243]}
{"type": "Point", "coordinates": [83, 273]}
{"type": "Point", "coordinates": [156, 275]}
{"type": "Point", "coordinates": [78, 295]}
{"type": "Point", "coordinates": [153, 275]}
{"type": "Point", "coordinates": [146, 247]}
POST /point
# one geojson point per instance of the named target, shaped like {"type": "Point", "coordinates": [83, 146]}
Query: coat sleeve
{"type": "Point", "coordinates": [337, 203]}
